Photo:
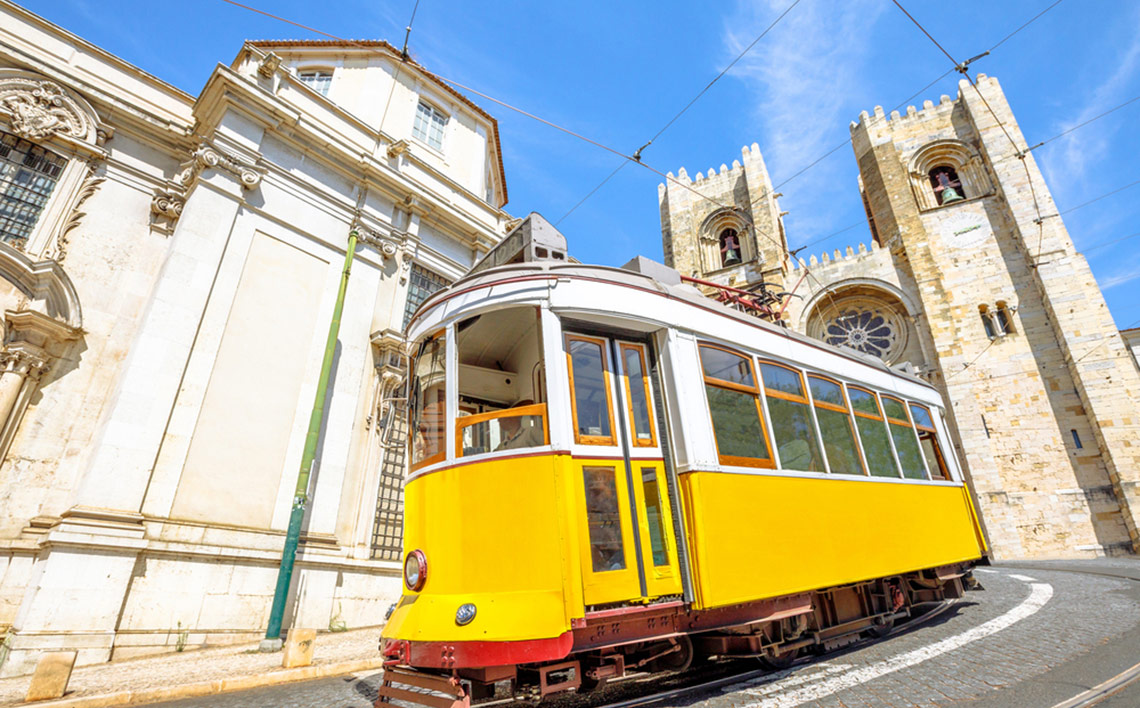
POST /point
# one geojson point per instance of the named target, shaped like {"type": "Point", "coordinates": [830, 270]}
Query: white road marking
{"type": "Point", "coordinates": [1039, 594]}
{"type": "Point", "coordinates": [1023, 578]}
{"type": "Point", "coordinates": [798, 680]}
{"type": "Point", "coordinates": [984, 570]}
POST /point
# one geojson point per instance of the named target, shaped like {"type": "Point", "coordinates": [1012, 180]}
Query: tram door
{"type": "Point", "coordinates": [628, 549]}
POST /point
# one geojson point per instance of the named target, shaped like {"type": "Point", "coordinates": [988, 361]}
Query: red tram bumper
{"type": "Point", "coordinates": [478, 654]}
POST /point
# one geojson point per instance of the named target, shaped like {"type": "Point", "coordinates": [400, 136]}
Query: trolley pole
{"type": "Point", "coordinates": [272, 641]}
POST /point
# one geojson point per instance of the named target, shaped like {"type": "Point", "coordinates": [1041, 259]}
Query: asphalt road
{"type": "Point", "coordinates": [1037, 635]}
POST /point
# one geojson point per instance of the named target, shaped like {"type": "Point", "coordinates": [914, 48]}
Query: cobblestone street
{"type": "Point", "coordinates": [1033, 637]}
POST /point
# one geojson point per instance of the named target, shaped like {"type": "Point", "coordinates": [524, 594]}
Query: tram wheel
{"type": "Point", "coordinates": [679, 660]}
{"type": "Point", "coordinates": [878, 631]}
{"type": "Point", "coordinates": [780, 661]}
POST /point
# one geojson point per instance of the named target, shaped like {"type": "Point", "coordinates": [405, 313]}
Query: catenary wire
{"type": "Point", "coordinates": [897, 107]}
{"type": "Point", "coordinates": [687, 106]}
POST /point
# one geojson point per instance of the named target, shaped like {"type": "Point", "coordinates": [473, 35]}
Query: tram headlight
{"type": "Point", "coordinates": [465, 614]}
{"type": "Point", "coordinates": [415, 570]}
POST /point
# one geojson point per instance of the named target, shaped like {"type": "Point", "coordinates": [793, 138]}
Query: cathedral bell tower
{"type": "Point", "coordinates": [725, 226]}
{"type": "Point", "coordinates": [1044, 395]}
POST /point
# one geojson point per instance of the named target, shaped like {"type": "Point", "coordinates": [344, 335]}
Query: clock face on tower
{"type": "Point", "coordinates": [965, 230]}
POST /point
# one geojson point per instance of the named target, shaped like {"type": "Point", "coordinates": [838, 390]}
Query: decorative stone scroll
{"type": "Point", "coordinates": [91, 181]}
{"type": "Point", "coordinates": [39, 109]}
{"type": "Point", "coordinates": [168, 201]}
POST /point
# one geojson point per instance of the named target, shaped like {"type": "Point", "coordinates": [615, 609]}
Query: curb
{"type": "Point", "coordinates": [205, 688]}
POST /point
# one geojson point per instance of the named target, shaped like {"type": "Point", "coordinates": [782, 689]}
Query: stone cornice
{"type": "Point", "coordinates": [355, 159]}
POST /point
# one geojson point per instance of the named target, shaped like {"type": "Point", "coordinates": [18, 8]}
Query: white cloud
{"type": "Point", "coordinates": [803, 76]}
{"type": "Point", "coordinates": [1068, 161]}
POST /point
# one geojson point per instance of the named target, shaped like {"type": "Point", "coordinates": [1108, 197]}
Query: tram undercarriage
{"type": "Point", "coordinates": [666, 637]}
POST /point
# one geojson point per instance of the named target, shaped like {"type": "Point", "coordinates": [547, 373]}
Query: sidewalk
{"type": "Point", "coordinates": [201, 672]}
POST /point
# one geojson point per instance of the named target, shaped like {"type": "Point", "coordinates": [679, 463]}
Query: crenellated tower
{"type": "Point", "coordinates": [724, 226]}
{"type": "Point", "coordinates": [1014, 328]}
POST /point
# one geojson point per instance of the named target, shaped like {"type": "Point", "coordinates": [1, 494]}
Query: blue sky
{"type": "Point", "coordinates": [617, 71]}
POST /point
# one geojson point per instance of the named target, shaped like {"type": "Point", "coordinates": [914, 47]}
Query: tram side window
{"type": "Point", "coordinates": [873, 432]}
{"type": "Point", "coordinates": [835, 426]}
{"type": "Point", "coordinates": [428, 402]}
{"type": "Point", "coordinates": [734, 402]}
{"type": "Point", "coordinates": [928, 441]}
{"type": "Point", "coordinates": [906, 444]}
{"type": "Point", "coordinates": [590, 390]}
{"type": "Point", "coordinates": [654, 516]}
{"type": "Point", "coordinates": [502, 399]}
{"type": "Point", "coordinates": [793, 429]}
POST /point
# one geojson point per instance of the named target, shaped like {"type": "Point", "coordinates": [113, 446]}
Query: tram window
{"type": "Point", "coordinates": [429, 402]}
{"type": "Point", "coordinates": [734, 402]}
{"type": "Point", "coordinates": [637, 393]}
{"type": "Point", "coordinates": [928, 440]}
{"type": "Point", "coordinates": [603, 519]}
{"type": "Point", "coordinates": [589, 390]}
{"type": "Point", "coordinates": [873, 433]}
{"type": "Point", "coordinates": [792, 427]}
{"type": "Point", "coordinates": [654, 516]}
{"type": "Point", "coordinates": [906, 444]}
{"type": "Point", "coordinates": [501, 392]}
{"type": "Point", "coordinates": [835, 426]}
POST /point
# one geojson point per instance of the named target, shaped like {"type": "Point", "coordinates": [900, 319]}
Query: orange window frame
{"type": "Point", "coordinates": [640, 351]}
{"type": "Point", "coordinates": [845, 411]}
{"type": "Point", "coordinates": [878, 406]}
{"type": "Point", "coordinates": [908, 423]}
{"type": "Point", "coordinates": [942, 467]}
{"type": "Point", "coordinates": [611, 439]}
{"type": "Point", "coordinates": [467, 421]}
{"type": "Point", "coordinates": [760, 462]}
{"type": "Point", "coordinates": [775, 393]}
{"type": "Point", "coordinates": [442, 454]}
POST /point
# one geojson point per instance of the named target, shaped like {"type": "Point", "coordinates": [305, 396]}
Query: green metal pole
{"type": "Point", "coordinates": [272, 640]}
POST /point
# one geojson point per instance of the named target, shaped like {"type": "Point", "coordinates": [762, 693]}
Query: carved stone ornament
{"type": "Point", "coordinates": [168, 201]}
{"type": "Point", "coordinates": [268, 65]}
{"type": "Point", "coordinates": [91, 182]}
{"type": "Point", "coordinates": [40, 109]}
{"type": "Point", "coordinates": [397, 148]}
{"type": "Point", "coordinates": [209, 157]}
{"type": "Point", "coordinates": [388, 246]}
{"type": "Point", "coordinates": [24, 362]}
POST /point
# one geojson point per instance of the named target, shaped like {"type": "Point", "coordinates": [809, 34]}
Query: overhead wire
{"type": "Point", "coordinates": [671, 121]}
{"type": "Point", "coordinates": [898, 106]}
{"type": "Point", "coordinates": [636, 157]}
{"type": "Point", "coordinates": [1022, 153]}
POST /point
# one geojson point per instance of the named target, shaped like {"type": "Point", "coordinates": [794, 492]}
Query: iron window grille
{"type": "Point", "coordinates": [28, 174]}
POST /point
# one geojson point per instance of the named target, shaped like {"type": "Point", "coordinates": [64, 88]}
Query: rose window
{"type": "Point", "coordinates": [869, 331]}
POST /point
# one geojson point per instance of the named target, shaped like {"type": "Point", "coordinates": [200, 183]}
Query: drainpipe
{"type": "Point", "coordinates": [272, 641]}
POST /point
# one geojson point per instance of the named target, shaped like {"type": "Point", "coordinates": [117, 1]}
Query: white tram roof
{"type": "Point", "coordinates": [591, 293]}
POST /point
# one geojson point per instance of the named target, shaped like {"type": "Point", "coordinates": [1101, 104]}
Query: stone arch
{"type": "Point", "coordinates": [37, 108]}
{"type": "Point", "coordinates": [956, 155]}
{"type": "Point", "coordinates": [713, 226]}
{"type": "Point", "coordinates": [871, 316]}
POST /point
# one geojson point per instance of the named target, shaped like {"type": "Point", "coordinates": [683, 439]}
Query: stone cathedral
{"type": "Point", "coordinates": [971, 279]}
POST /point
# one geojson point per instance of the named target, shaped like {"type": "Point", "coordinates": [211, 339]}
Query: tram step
{"type": "Point", "coordinates": [434, 691]}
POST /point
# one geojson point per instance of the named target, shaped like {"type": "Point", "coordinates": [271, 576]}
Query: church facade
{"type": "Point", "coordinates": [169, 265]}
{"type": "Point", "coordinates": [971, 279]}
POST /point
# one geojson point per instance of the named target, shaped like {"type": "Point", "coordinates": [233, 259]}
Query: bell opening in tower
{"type": "Point", "coordinates": [729, 248]}
{"type": "Point", "coordinates": [947, 186]}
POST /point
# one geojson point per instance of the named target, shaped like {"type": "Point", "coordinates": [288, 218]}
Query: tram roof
{"type": "Point", "coordinates": [644, 273]}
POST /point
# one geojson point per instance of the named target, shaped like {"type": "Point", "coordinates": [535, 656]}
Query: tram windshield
{"type": "Point", "coordinates": [502, 393]}
{"type": "Point", "coordinates": [428, 402]}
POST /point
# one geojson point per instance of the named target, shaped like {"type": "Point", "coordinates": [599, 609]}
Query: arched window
{"type": "Point", "coordinates": [729, 248]}
{"type": "Point", "coordinates": [947, 186]}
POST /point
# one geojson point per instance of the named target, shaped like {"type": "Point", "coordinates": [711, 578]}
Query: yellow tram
{"type": "Point", "coordinates": [608, 470]}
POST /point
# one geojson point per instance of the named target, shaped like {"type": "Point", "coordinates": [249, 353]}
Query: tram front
{"type": "Point", "coordinates": [484, 569]}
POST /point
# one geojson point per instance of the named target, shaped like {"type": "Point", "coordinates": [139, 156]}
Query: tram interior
{"type": "Point", "coordinates": [502, 397]}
